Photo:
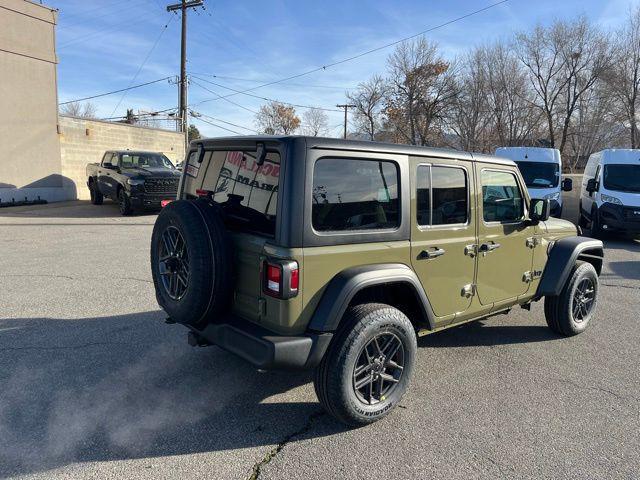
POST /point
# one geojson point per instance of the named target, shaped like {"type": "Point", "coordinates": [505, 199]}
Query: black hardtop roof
{"type": "Point", "coordinates": [352, 145]}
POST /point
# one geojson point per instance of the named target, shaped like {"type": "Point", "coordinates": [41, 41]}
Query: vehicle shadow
{"type": "Point", "coordinates": [77, 209]}
{"type": "Point", "coordinates": [483, 333]}
{"type": "Point", "coordinates": [129, 387]}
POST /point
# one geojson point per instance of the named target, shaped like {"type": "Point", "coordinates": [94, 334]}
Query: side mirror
{"type": "Point", "coordinates": [592, 185]}
{"type": "Point", "coordinates": [567, 185]}
{"type": "Point", "coordinates": [539, 210]}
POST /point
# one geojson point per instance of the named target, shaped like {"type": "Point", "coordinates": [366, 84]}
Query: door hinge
{"type": "Point", "coordinates": [471, 250]}
{"type": "Point", "coordinates": [469, 290]}
{"type": "Point", "coordinates": [530, 276]}
{"type": "Point", "coordinates": [533, 242]}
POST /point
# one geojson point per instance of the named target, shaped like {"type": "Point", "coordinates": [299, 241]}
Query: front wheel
{"type": "Point", "coordinates": [570, 312]}
{"type": "Point", "coordinates": [124, 203]}
{"type": "Point", "coordinates": [369, 365]}
{"type": "Point", "coordinates": [94, 192]}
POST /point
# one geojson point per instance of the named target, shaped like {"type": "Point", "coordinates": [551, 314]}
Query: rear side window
{"type": "Point", "coordinates": [447, 188]}
{"type": "Point", "coordinates": [351, 194]}
{"type": "Point", "coordinates": [247, 192]}
{"type": "Point", "coordinates": [502, 199]}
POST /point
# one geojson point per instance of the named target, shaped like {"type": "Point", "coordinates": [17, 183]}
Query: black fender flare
{"type": "Point", "coordinates": [562, 258]}
{"type": "Point", "coordinates": [346, 284]}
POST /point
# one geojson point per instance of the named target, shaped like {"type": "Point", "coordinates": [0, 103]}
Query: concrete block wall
{"type": "Point", "coordinates": [84, 141]}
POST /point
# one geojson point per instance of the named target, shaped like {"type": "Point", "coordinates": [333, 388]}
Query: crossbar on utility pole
{"type": "Point", "coordinates": [183, 6]}
{"type": "Point", "coordinates": [346, 107]}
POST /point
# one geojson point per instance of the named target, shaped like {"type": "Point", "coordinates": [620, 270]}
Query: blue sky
{"type": "Point", "coordinates": [101, 46]}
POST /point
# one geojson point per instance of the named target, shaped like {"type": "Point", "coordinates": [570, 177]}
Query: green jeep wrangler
{"type": "Point", "coordinates": [311, 253]}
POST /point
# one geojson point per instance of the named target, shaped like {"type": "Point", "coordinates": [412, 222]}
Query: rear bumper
{"type": "Point", "coordinates": [619, 218]}
{"type": "Point", "coordinates": [264, 348]}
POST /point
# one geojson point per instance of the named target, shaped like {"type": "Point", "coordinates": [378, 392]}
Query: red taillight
{"type": "Point", "coordinates": [274, 279]}
{"type": "Point", "coordinates": [281, 278]}
{"type": "Point", "coordinates": [164, 203]}
{"type": "Point", "coordinates": [295, 279]}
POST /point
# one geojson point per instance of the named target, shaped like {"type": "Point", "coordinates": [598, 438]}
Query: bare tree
{"type": "Point", "coordinates": [421, 89]}
{"type": "Point", "coordinates": [623, 79]}
{"type": "Point", "coordinates": [469, 117]}
{"type": "Point", "coordinates": [276, 118]}
{"type": "Point", "coordinates": [77, 109]}
{"type": "Point", "coordinates": [369, 100]}
{"type": "Point", "coordinates": [315, 123]}
{"type": "Point", "coordinates": [564, 61]}
{"type": "Point", "coordinates": [515, 119]}
{"type": "Point", "coordinates": [596, 126]}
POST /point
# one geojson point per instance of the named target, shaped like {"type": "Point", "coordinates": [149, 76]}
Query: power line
{"type": "Point", "coordinates": [115, 91]}
{"type": "Point", "coordinates": [153, 47]}
{"type": "Point", "coordinates": [373, 50]}
{"type": "Point", "coordinates": [220, 96]}
{"type": "Point", "coordinates": [196, 114]}
{"type": "Point", "coordinates": [217, 126]}
{"type": "Point", "coordinates": [253, 80]}
{"type": "Point", "coordinates": [259, 97]}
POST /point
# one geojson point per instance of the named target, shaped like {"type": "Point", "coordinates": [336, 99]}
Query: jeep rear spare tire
{"type": "Point", "coordinates": [191, 262]}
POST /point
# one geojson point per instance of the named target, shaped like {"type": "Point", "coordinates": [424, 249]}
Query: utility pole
{"type": "Point", "coordinates": [183, 6]}
{"type": "Point", "coordinates": [346, 107]}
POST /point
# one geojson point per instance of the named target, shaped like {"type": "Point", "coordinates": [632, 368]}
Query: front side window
{"type": "Point", "coordinates": [351, 194]}
{"type": "Point", "coordinates": [502, 200]}
{"type": "Point", "coordinates": [446, 188]}
{"type": "Point", "coordinates": [540, 174]}
{"type": "Point", "coordinates": [622, 178]}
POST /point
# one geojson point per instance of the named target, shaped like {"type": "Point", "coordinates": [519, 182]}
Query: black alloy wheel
{"type": "Point", "coordinates": [173, 263]}
{"type": "Point", "coordinates": [378, 369]}
{"type": "Point", "coordinates": [583, 300]}
{"type": "Point", "coordinates": [123, 203]}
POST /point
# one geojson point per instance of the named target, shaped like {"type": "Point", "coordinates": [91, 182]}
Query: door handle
{"type": "Point", "coordinates": [489, 247]}
{"type": "Point", "coordinates": [427, 254]}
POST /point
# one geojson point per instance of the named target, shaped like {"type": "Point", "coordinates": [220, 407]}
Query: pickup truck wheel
{"type": "Point", "coordinates": [570, 312]}
{"type": "Point", "coordinates": [123, 203]}
{"type": "Point", "coordinates": [96, 196]}
{"type": "Point", "coordinates": [368, 366]}
{"type": "Point", "coordinates": [191, 263]}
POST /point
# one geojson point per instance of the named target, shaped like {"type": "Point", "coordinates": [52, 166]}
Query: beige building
{"type": "Point", "coordinates": [30, 164]}
{"type": "Point", "coordinates": [43, 155]}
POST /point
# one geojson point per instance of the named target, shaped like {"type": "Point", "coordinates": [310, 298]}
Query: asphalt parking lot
{"type": "Point", "coordinates": [93, 384]}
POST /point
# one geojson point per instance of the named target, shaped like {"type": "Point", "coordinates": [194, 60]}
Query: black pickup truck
{"type": "Point", "coordinates": [136, 180]}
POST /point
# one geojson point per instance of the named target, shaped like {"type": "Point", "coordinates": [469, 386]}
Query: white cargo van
{"type": "Point", "coordinates": [610, 193]}
{"type": "Point", "coordinates": [541, 169]}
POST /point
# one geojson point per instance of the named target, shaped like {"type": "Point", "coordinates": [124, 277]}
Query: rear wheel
{"type": "Point", "coordinates": [570, 312]}
{"type": "Point", "coordinates": [368, 366]}
{"type": "Point", "coordinates": [96, 196]}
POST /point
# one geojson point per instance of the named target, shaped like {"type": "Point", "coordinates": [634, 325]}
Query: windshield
{"type": "Point", "coordinates": [622, 178]}
{"type": "Point", "coordinates": [145, 160]}
{"type": "Point", "coordinates": [540, 174]}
